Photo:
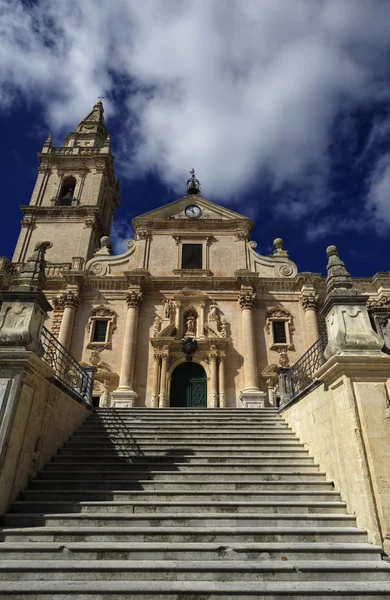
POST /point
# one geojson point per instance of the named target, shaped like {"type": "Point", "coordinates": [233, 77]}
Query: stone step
{"type": "Point", "coordinates": [215, 483]}
{"type": "Point", "coordinates": [168, 468]}
{"type": "Point", "coordinates": [194, 449]}
{"type": "Point", "coordinates": [40, 486]}
{"type": "Point", "coordinates": [118, 501]}
{"type": "Point", "coordinates": [190, 427]}
{"type": "Point", "coordinates": [282, 438]}
{"type": "Point", "coordinates": [177, 441]}
{"type": "Point", "coordinates": [182, 570]}
{"type": "Point", "coordinates": [206, 551]}
{"type": "Point", "coordinates": [204, 458]}
{"type": "Point", "coordinates": [188, 463]}
{"type": "Point", "coordinates": [73, 528]}
{"type": "Point", "coordinates": [197, 473]}
{"type": "Point", "coordinates": [92, 514]}
{"type": "Point", "coordinates": [180, 590]}
{"type": "Point", "coordinates": [189, 419]}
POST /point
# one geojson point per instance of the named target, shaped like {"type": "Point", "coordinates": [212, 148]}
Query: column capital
{"type": "Point", "coordinates": [309, 301]}
{"type": "Point", "coordinates": [134, 299]}
{"type": "Point", "coordinates": [247, 298]}
{"type": "Point", "coordinates": [66, 299]}
{"type": "Point", "coordinates": [213, 354]}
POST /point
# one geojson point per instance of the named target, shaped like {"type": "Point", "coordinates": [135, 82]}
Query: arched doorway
{"type": "Point", "coordinates": [188, 386]}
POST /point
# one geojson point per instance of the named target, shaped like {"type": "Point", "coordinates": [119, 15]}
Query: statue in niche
{"type": "Point", "coordinates": [213, 312]}
{"type": "Point", "coordinates": [156, 326]}
{"type": "Point", "coordinates": [167, 308]}
{"type": "Point", "coordinates": [191, 323]}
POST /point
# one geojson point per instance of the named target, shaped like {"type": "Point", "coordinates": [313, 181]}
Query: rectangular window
{"type": "Point", "coordinates": [100, 331]}
{"type": "Point", "coordinates": [279, 330]}
{"type": "Point", "coordinates": [192, 256]}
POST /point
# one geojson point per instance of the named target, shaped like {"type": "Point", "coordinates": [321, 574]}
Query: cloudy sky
{"type": "Point", "coordinates": [282, 107]}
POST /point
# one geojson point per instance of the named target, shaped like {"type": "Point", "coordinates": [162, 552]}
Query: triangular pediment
{"type": "Point", "coordinates": [177, 211]}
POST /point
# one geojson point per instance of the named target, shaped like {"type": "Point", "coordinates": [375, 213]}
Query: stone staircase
{"type": "Point", "coordinates": [185, 504]}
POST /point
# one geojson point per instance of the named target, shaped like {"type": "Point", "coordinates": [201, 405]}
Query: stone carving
{"type": "Point", "coordinates": [278, 313]}
{"type": "Point", "coordinates": [375, 303]}
{"type": "Point", "coordinates": [32, 274]}
{"type": "Point", "coordinates": [105, 247]}
{"type": "Point", "coordinates": [157, 323]}
{"type": "Point", "coordinates": [95, 358]}
{"type": "Point", "coordinates": [283, 357]}
{"type": "Point", "coordinates": [253, 245]}
{"type": "Point", "coordinates": [309, 302]}
{"type": "Point", "coordinates": [167, 308]}
{"type": "Point", "coordinates": [65, 299]}
{"type": "Point", "coordinates": [89, 222]}
{"type": "Point", "coordinates": [213, 313]}
{"type": "Point", "coordinates": [338, 276]}
{"type": "Point", "coordinates": [278, 245]}
{"type": "Point", "coordinates": [223, 327]}
{"type": "Point", "coordinates": [105, 398]}
{"type": "Point", "coordinates": [134, 299]}
{"type": "Point", "coordinates": [212, 354]}
{"type": "Point", "coordinates": [191, 325]}
{"type": "Point", "coordinates": [27, 222]}
{"type": "Point", "coordinates": [142, 233]}
{"type": "Point", "coordinates": [103, 311]}
{"type": "Point", "coordinates": [241, 236]}
{"type": "Point", "coordinates": [99, 269]}
{"type": "Point", "coordinates": [78, 263]}
{"type": "Point", "coordinates": [286, 271]}
{"type": "Point", "coordinates": [189, 345]}
{"type": "Point", "coordinates": [247, 299]}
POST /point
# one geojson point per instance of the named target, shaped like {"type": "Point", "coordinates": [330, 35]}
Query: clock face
{"type": "Point", "coordinates": [193, 211]}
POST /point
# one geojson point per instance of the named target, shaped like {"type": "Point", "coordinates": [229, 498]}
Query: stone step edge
{"type": "Point", "coordinates": [195, 516]}
{"type": "Point", "coordinates": [195, 587]}
{"type": "Point", "coordinates": [184, 530]}
{"type": "Point", "coordinates": [314, 503]}
{"type": "Point", "coordinates": [201, 565]}
{"type": "Point", "coordinates": [228, 492]}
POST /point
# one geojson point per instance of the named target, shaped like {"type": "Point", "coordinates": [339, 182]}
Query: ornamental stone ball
{"type": "Point", "coordinates": [105, 241]}
{"type": "Point", "coordinates": [331, 250]}
{"type": "Point", "coordinates": [278, 243]}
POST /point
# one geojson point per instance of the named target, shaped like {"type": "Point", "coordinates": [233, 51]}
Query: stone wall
{"type": "Point", "coordinates": [37, 418]}
{"type": "Point", "coordinates": [345, 424]}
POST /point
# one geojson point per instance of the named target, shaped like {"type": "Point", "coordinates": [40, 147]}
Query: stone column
{"type": "Point", "coordinates": [156, 375]}
{"type": "Point", "coordinates": [163, 398]}
{"type": "Point", "coordinates": [213, 361]}
{"type": "Point", "coordinates": [221, 380]}
{"type": "Point", "coordinates": [309, 302]}
{"type": "Point", "coordinates": [67, 301]}
{"type": "Point", "coordinates": [125, 395]}
{"type": "Point", "coordinates": [177, 317]}
{"type": "Point", "coordinates": [250, 395]}
{"type": "Point", "coordinates": [201, 320]}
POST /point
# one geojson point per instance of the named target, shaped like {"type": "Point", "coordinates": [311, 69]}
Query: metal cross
{"type": "Point", "coordinates": [100, 98]}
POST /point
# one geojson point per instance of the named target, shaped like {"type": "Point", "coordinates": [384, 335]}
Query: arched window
{"type": "Point", "coordinates": [65, 197]}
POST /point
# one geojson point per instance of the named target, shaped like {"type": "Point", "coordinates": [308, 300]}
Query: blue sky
{"type": "Point", "coordinates": [284, 113]}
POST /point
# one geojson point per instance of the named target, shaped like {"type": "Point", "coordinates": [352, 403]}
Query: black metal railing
{"type": "Point", "coordinates": [300, 377]}
{"type": "Point", "coordinates": [67, 371]}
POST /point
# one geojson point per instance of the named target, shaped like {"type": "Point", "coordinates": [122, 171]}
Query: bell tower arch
{"type": "Point", "coordinates": [75, 195]}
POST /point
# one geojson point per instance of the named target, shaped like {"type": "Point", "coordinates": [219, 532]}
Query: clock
{"type": "Point", "coordinates": [193, 211]}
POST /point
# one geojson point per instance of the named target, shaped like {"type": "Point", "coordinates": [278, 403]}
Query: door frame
{"type": "Point", "coordinates": [178, 362]}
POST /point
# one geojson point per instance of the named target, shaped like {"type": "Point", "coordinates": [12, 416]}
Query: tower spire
{"type": "Point", "coordinates": [91, 131]}
{"type": "Point", "coordinates": [193, 185]}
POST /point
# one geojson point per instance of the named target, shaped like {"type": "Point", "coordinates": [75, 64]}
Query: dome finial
{"type": "Point", "coordinates": [193, 185]}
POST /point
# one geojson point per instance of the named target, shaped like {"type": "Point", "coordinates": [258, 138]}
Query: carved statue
{"type": "Point", "coordinates": [213, 312]}
{"type": "Point", "coordinates": [191, 322]}
{"type": "Point", "coordinates": [105, 398]}
{"type": "Point", "coordinates": [167, 308]}
{"type": "Point", "coordinates": [156, 326]}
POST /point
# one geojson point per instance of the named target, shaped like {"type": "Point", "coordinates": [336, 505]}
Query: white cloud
{"type": "Point", "coordinates": [379, 193]}
{"type": "Point", "coordinates": [234, 89]}
{"type": "Point", "coordinates": [121, 233]}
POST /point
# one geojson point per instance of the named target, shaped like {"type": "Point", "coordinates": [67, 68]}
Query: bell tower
{"type": "Point", "coordinates": [75, 196]}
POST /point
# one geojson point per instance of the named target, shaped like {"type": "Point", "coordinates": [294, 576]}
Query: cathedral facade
{"type": "Point", "coordinates": [190, 315]}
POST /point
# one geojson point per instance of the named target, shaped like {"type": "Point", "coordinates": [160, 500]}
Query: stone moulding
{"type": "Point", "coordinates": [270, 266]}
{"type": "Point", "coordinates": [100, 266]}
